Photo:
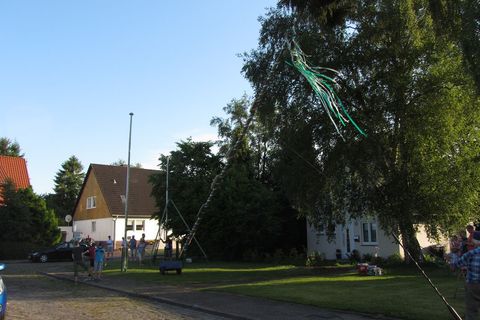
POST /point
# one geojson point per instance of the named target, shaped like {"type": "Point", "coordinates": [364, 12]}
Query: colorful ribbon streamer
{"type": "Point", "coordinates": [324, 89]}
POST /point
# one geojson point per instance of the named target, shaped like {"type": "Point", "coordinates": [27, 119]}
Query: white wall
{"type": "Point", "coordinates": [68, 231]}
{"type": "Point", "coordinates": [115, 228]}
{"type": "Point", "coordinates": [384, 247]}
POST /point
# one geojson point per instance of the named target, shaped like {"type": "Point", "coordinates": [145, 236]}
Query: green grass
{"type": "Point", "coordinates": [401, 292]}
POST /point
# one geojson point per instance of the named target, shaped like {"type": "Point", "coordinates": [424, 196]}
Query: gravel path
{"type": "Point", "coordinates": [34, 296]}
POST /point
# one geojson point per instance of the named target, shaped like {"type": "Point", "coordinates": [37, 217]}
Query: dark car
{"type": "Point", "coordinates": [3, 295]}
{"type": "Point", "coordinates": [62, 251]}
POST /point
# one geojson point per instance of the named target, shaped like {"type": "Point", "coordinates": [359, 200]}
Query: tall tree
{"type": "Point", "coordinates": [405, 86]}
{"type": "Point", "coordinates": [244, 219]}
{"type": "Point", "coordinates": [68, 182]}
{"type": "Point", "coordinates": [26, 218]}
{"type": "Point", "coordinates": [10, 148]}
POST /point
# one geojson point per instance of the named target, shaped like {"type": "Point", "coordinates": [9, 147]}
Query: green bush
{"type": "Point", "coordinates": [354, 257]}
{"type": "Point", "coordinates": [11, 250]}
{"type": "Point", "coordinates": [394, 260]}
{"type": "Point", "coordinates": [378, 261]}
{"type": "Point", "coordinates": [315, 259]}
{"type": "Point", "coordinates": [367, 257]}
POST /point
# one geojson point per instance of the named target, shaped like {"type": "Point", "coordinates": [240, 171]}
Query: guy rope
{"type": "Point", "coordinates": [236, 141]}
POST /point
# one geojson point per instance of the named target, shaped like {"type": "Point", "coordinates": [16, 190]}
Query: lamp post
{"type": "Point", "coordinates": [125, 248]}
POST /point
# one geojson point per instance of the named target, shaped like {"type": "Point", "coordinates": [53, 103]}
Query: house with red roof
{"type": "Point", "coordinates": [15, 170]}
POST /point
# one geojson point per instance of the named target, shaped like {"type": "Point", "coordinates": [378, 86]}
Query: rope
{"type": "Point", "coordinates": [217, 180]}
{"type": "Point", "coordinates": [454, 313]}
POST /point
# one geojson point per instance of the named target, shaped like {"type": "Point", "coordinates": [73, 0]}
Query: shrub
{"type": "Point", "coordinates": [315, 259]}
{"type": "Point", "coordinates": [11, 250]}
{"type": "Point", "coordinates": [394, 260]}
{"type": "Point", "coordinates": [354, 257]}
{"type": "Point", "coordinates": [367, 257]}
{"type": "Point", "coordinates": [278, 256]}
{"type": "Point", "coordinates": [378, 261]}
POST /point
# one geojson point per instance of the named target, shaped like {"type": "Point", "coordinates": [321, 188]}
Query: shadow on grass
{"type": "Point", "coordinates": [401, 293]}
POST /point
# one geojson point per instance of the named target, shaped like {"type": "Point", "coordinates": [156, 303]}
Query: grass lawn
{"type": "Point", "coordinates": [401, 292]}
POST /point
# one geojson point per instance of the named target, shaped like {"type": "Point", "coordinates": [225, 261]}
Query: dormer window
{"type": "Point", "coordinates": [91, 202]}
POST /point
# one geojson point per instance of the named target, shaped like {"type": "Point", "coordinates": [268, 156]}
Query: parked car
{"type": "Point", "coordinates": [3, 295]}
{"type": "Point", "coordinates": [62, 251]}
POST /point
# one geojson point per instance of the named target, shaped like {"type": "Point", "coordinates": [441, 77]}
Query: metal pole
{"type": "Point", "coordinates": [166, 201]}
{"type": "Point", "coordinates": [125, 249]}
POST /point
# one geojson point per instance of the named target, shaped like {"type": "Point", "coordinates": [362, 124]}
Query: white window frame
{"type": "Point", "coordinates": [131, 225]}
{"type": "Point", "coordinates": [140, 223]}
{"type": "Point", "coordinates": [372, 228]}
{"type": "Point", "coordinates": [91, 202]}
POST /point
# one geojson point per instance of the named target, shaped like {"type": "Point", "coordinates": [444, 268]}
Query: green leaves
{"type": "Point", "coordinates": [25, 218]}
{"type": "Point", "coordinates": [406, 84]}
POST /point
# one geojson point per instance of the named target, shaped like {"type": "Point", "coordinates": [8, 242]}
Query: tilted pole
{"type": "Point", "coordinates": [217, 180]}
{"type": "Point", "coordinates": [125, 248]}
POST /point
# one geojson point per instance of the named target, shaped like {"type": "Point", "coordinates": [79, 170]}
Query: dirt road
{"type": "Point", "coordinates": [34, 296]}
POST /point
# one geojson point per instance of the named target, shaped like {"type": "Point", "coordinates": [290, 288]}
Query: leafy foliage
{"type": "Point", "coordinates": [9, 148]}
{"type": "Point", "coordinates": [26, 218]}
{"type": "Point", "coordinates": [244, 216]}
{"type": "Point", "coordinates": [68, 182]}
{"type": "Point", "coordinates": [407, 87]}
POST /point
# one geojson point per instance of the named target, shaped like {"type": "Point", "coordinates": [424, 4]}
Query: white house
{"type": "Point", "coordinates": [100, 207]}
{"type": "Point", "coordinates": [363, 235]}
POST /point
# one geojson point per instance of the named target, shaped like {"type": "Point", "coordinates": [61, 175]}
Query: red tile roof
{"type": "Point", "coordinates": [15, 169]}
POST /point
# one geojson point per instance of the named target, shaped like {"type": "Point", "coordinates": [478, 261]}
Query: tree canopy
{"type": "Point", "coordinates": [68, 182]}
{"type": "Point", "coordinates": [405, 84]}
{"type": "Point", "coordinates": [26, 218]}
{"type": "Point", "coordinates": [10, 148]}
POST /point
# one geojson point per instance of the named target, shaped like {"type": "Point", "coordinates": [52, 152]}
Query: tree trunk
{"type": "Point", "coordinates": [410, 243]}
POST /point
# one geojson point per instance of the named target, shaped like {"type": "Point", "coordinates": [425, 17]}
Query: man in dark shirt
{"type": "Point", "coordinates": [77, 256]}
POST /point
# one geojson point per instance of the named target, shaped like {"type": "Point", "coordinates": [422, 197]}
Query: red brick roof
{"type": "Point", "coordinates": [15, 169]}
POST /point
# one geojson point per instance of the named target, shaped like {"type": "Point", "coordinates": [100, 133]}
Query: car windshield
{"type": "Point", "coordinates": [62, 246]}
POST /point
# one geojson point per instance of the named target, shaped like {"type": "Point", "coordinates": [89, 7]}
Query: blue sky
{"type": "Point", "coordinates": [72, 71]}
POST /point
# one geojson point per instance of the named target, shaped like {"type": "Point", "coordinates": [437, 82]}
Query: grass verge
{"type": "Point", "coordinates": [401, 292]}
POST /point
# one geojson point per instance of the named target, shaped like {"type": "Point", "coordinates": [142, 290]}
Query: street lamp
{"type": "Point", "coordinates": [125, 248]}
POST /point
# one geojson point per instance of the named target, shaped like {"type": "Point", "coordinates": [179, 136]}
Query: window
{"type": "Point", "coordinates": [130, 224]}
{"type": "Point", "coordinates": [140, 226]}
{"type": "Point", "coordinates": [94, 226]}
{"type": "Point", "coordinates": [91, 202]}
{"type": "Point", "coordinates": [369, 231]}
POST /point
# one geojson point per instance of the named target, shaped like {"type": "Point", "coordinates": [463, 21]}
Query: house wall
{"type": "Point", "coordinates": [100, 211]}
{"type": "Point", "coordinates": [385, 245]}
{"type": "Point", "coordinates": [67, 233]}
{"type": "Point", "coordinates": [115, 228]}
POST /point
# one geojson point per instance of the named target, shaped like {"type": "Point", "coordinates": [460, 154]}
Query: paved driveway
{"type": "Point", "coordinates": [35, 296]}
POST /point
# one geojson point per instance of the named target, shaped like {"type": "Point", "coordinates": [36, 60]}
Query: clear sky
{"type": "Point", "coordinates": [72, 71]}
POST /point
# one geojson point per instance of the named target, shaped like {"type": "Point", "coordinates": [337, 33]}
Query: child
{"type": "Point", "coordinates": [99, 260]}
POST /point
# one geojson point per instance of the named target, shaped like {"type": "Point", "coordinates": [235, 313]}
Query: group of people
{"type": "Point", "coordinates": [96, 259]}
{"type": "Point", "coordinates": [465, 256]}
{"type": "Point", "coordinates": [96, 255]}
{"type": "Point", "coordinates": [136, 248]}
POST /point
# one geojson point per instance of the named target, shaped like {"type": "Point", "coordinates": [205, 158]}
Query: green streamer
{"type": "Point", "coordinates": [323, 86]}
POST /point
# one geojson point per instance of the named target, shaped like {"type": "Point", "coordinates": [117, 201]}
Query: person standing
{"type": "Point", "coordinates": [99, 260]}
{"type": "Point", "coordinates": [471, 261]}
{"type": "Point", "coordinates": [168, 247]}
{"type": "Point", "coordinates": [91, 259]}
{"type": "Point", "coordinates": [77, 256]}
{"type": "Point", "coordinates": [470, 244]}
{"type": "Point", "coordinates": [141, 248]}
{"type": "Point", "coordinates": [109, 248]}
{"type": "Point", "coordinates": [133, 248]}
